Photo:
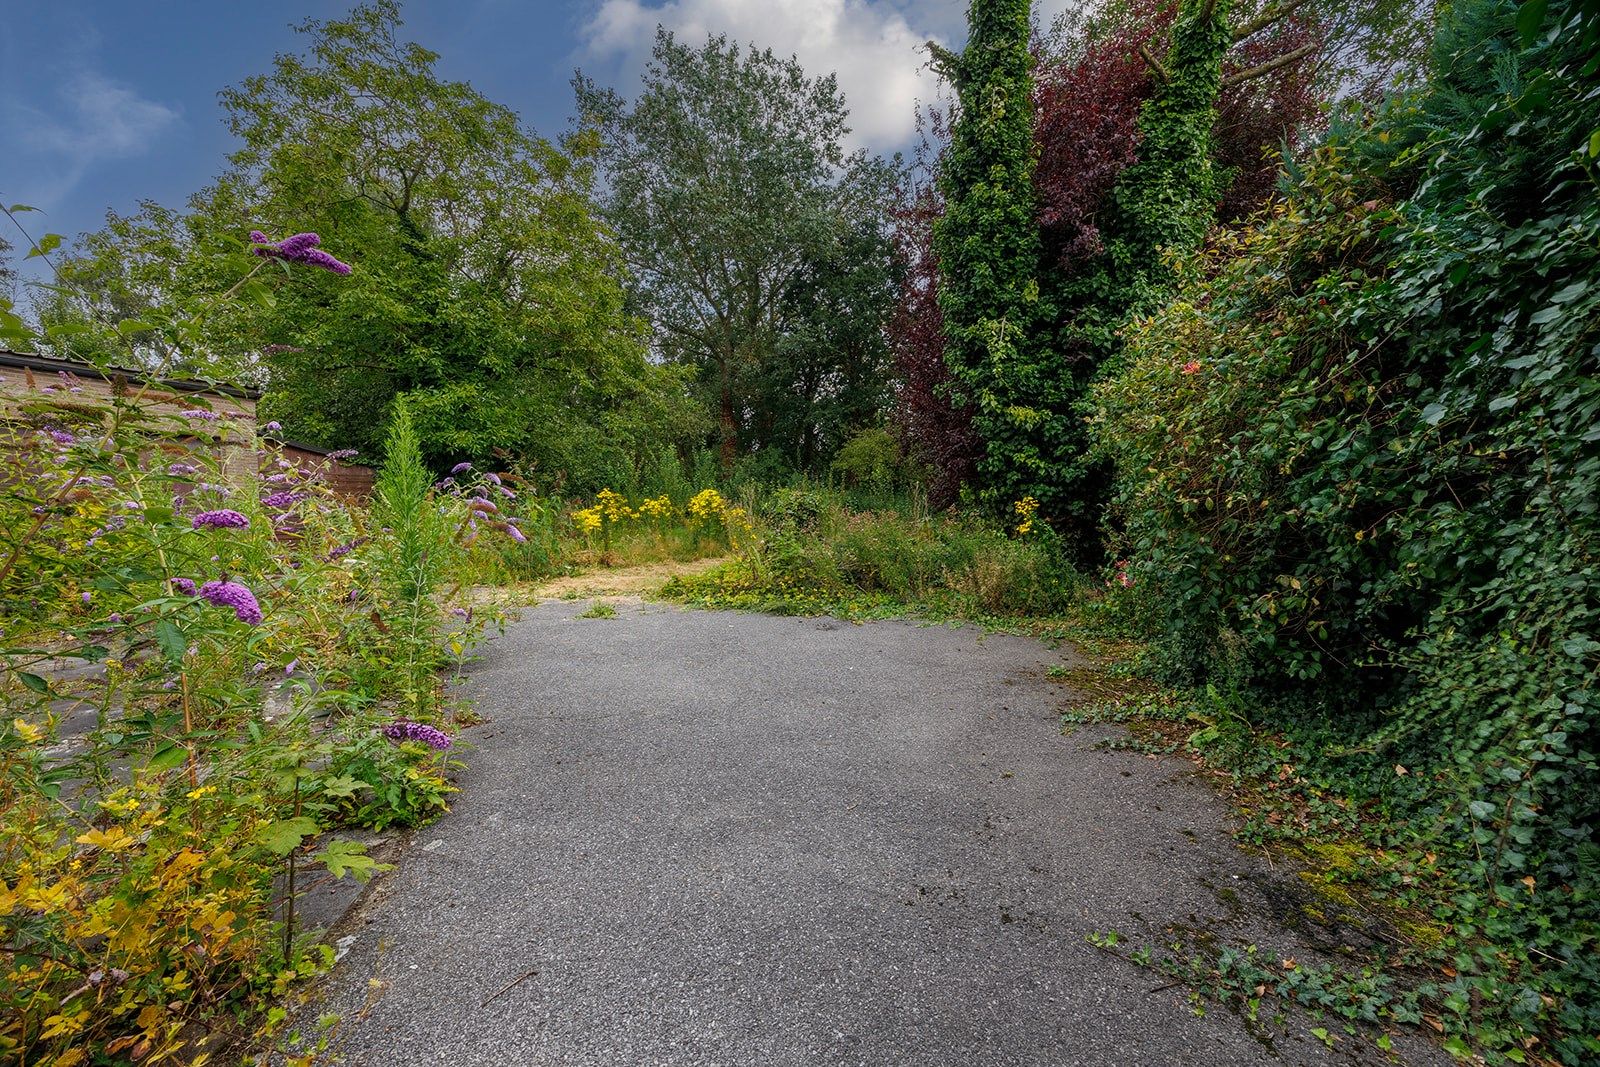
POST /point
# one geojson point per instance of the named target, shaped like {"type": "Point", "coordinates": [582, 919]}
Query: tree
{"type": "Point", "coordinates": [734, 203]}
{"type": "Point", "coordinates": [485, 289]}
{"type": "Point", "coordinates": [987, 244]}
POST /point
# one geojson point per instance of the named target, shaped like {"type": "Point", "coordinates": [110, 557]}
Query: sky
{"type": "Point", "coordinates": [104, 103]}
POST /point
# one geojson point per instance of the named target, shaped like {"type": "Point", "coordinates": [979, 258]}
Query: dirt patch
{"type": "Point", "coordinates": [642, 580]}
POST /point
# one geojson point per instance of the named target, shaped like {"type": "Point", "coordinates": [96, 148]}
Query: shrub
{"type": "Point", "coordinates": [1356, 461]}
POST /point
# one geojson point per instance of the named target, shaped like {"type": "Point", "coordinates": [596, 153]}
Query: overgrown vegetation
{"type": "Point", "coordinates": [1285, 325]}
{"type": "Point", "coordinates": [209, 671]}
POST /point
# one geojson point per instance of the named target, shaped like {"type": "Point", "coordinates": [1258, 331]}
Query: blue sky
{"type": "Point", "coordinates": [107, 102]}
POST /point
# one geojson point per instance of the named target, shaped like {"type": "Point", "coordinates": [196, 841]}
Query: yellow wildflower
{"type": "Point", "coordinates": [707, 504]}
{"type": "Point", "coordinates": [587, 520]}
{"type": "Point", "coordinates": [1025, 509]}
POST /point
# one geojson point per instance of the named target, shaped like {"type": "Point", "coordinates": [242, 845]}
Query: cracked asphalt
{"type": "Point", "coordinates": [701, 838]}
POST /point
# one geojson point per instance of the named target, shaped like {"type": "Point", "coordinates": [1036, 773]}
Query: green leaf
{"type": "Point", "coordinates": [34, 682]}
{"type": "Point", "coordinates": [1594, 145]}
{"type": "Point", "coordinates": [17, 209]}
{"type": "Point", "coordinates": [166, 758]}
{"type": "Point", "coordinates": [128, 327]}
{"type": "Point", "coordinates": [343, 786]}
{"type": "Point", "coordinates": [285, 835]}
{"type": "Point", "coordinates": [46, 244]}
{"type": "Point", "coordinates": [343, 857]}
{"type": "Point", "coordinates": [1481, 809]}
{"type": "Point", "coordinates": [1433, 413]}
{"type": "Point", "coordinates": [171, 641]}
{"type": "Point", "coordinates": [1530, 16]}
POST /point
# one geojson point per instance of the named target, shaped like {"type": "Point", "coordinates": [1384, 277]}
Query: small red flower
{"type": "Point", "coordinates": [1192, 367]}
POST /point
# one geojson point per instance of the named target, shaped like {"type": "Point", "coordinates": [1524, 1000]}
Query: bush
{"type": "Point", "coordinates": [1356, 465]}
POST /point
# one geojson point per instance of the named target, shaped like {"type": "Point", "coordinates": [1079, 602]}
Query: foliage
{"type": "Point", "coordinates": [754, 240]}
{"type": "Point", "coordinates": [812, 554]}
{"type": "Point", "coordinates": [1358, 451]}
{"type": "Point", "coordinates": [1130, 168]}
{"type": "Point", "coordinates": [196, 653]}
{"type": "Point", "coordinates": [987, 246]}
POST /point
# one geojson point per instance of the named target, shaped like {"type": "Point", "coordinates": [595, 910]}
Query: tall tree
{"type": "Point", "coordinates": [730, 191]}
{"type": "Point", "coordinates": [485, 289]}
{"type": "Point", "coordinates": [987, 244]}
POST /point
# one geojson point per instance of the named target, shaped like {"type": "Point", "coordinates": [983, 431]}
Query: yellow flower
{"type": "Point", "coordinates": [1025, 509]}
{"type": "Point", "coordinates": [707, 504]}
{"type": "Point", "coordinates": [613, 506]}
{"type": "Point", "coordinates": [658, 508]}
{"type": "Point", "coordinates": [588, 520]}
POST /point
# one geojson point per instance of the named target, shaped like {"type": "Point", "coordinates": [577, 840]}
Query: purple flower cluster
{"type": "Point", "coordinates": [301, 248]}
{"type": "Point", "coordinates": [343, 454]}
{"type": "Point", "coordinates": [200, 413]}
{"type": "Point", "coordinates": [185, 586]}
{"type": "Point", "coordinates": [181, 470]}
{"type": "Point", "coordinates": [235, 596]}
{"type": "Point", "coordinates": [222, 517]}
{"type": "Point", "coordinates": [273, 427]}
{"type": "Point", "coordinates": [460, 468]}
{"type": "Point", "coordinates": [61, 437]}
{"type": "Point", "coordinates": [282, 499]}
{"type": "Point", "coordinates": [404, 730]}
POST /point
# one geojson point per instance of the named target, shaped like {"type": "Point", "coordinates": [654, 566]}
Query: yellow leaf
{"type": "Point", "coordinates": [113, 840]}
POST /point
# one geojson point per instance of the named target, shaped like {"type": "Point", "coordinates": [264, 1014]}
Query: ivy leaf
{"type": "Point", "coordinates": [285, 835]}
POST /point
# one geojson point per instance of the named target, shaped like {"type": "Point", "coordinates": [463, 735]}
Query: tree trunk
{"type": "Point", "coordinates": [730, 443]}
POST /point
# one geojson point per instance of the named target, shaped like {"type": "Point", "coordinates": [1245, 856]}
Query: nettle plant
{"type": "Point", "coordinates": [198, 654]}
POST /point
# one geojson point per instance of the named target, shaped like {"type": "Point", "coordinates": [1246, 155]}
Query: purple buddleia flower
{"type": "Point", "coordinates": [180, 470]}
{"type": "Point", "coordinates": [300, 248]}
{"type": "Point", "coordinates": [289, 667]}
{"type": "Point", "coordinates": [219, 519]}
{"type": "Point", "coordinates": [235, 596]}
{"type": "Point", "coordinates": [403, 730]}
{"type": "Point", "coordinates": [200, 413]}
{"type": "Point", "coordinates": [516, 535]}
{"type": "Point", "coordinates": [460, 468]}
{"type": "Point", "coordinates": [282, 499]}
{"type": "Point", "coordinates": [185, 586]}
{"type": "Point", "coordinates": [87, 596]}
{"type": "Point", "coordinates": [344, 454]}
{"type": "Point", "coordinates": [273, 427]}
{"type": "Point", "coordinates": [257, 667]}
{"type": "Point", "coordinates": [61, 437]}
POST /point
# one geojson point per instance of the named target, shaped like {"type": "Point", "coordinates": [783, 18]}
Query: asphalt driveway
{"type": "Point", "coordinates": [709, 838]}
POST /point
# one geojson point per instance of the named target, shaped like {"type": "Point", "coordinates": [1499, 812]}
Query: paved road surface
{"type": "Point", "coordinates": [711, 838]}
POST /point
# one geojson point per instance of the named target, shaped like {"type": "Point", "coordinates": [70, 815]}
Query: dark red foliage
{"type": "Point", "coordinates": [1086, 110]}
{"type": "Point", "coordinates": [939, 434]}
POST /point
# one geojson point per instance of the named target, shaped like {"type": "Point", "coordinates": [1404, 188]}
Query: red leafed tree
{"type": "Point", "coordinates": [1086, 112]}
{"type": "Point", "coordinates": [1086, 108]}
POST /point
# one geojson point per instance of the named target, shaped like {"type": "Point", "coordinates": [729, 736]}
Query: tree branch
{"type": "Point", "coordinates": [943, 61]}
{"type": "Point", "coordinates": [1252, 73]}
{"type": "Point", "coordinates": [1275, 13]}
{"type": "Point", "coordinates": [1153, 63]}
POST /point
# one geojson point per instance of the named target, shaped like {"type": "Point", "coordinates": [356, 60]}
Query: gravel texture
{"type": "Point", "coordinates": [712, 838]}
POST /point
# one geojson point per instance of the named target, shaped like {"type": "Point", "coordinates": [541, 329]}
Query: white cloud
{"type": "Point", "coordinates": [876, 48]}
{"type": "Point", "coordinates": [97, 121]}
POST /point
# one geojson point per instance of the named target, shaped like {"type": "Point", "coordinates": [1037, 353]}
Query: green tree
{"type": "Point", "coordinates": [988, 250]}
{"type": "Point", "coordinates": [485, 289]}
{"type": "Point", "coordinates": [732, 198]}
